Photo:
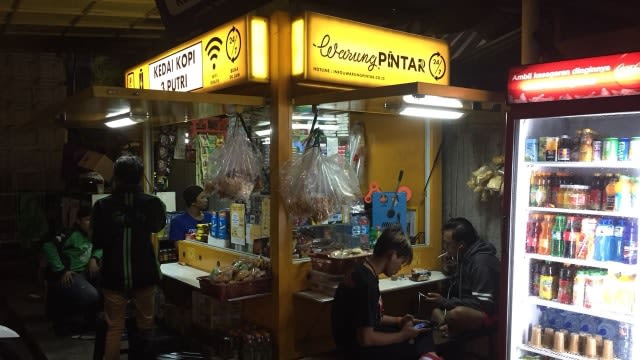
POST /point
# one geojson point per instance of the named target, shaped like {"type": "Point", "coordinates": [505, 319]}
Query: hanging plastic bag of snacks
{"type": "Point", "coordinates": [236, 167]}
{"type": "Point", "coordinates": [316, 186]}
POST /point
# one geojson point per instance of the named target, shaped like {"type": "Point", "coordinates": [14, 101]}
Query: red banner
{"type": "Point", "coordinates": [603, 76]}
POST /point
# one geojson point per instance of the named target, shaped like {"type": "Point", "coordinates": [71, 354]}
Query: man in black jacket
{"type": "Point", "coordinates": [470, 302]}
{"type": "Point", "coordinates": [122, 226]}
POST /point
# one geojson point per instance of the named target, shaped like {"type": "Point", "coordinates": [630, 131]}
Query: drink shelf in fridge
{"type": "Point", "coordinates": [609, 265]}
{"type": "Point", "coordinates": [627, 318]}
{"type": "Point", "coordinates": [585, 165]}
{"type": "Point", "coordinates": [623, 214]}
{"type": "Point", "coordinates": [553, 354]}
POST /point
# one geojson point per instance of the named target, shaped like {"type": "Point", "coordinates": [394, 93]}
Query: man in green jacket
{"type": "Point", "coordinates": [73, 274]}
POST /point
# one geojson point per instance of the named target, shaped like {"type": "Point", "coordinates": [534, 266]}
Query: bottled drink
{"type": "Point", "coordinates": [630, 255]}
{"type": "Point", "coordinates": [621, 237]}
{"type": "Point", "coordinates": [565, 285]}
{"type": "Point", "coordinates": [533, 188]}
{"type": "Point", "coordinates": [635, 194]}
{"type": "Point", "coordinates": [548, 282]}
{"type": "Point", "coordinates": [533, 231]}
{"type": "Point", "coordinates": [623, 348]}
{"type": "Point", "coordinates": [610, 193]}
{"type": "Point", "coordinates": [595, 193]}
{"type": "Point", "coordinates": [564, 148]}
{"type": "Point", "coordinates": [534, 284]}
{"type": "Point", "coordinates": [554, 188]}
{"type": "Point", "coordinates": [578, 288]}
{"type": "Point", "coordinates": [623, 194]}
{"type": "Point", "coordinates": [557, 243]}
{"type": "Point", "coordinates": [544, 240]}
{"type": "Point", "coordinates": [562, 179]}
{"type": "Point", "coordinates": [603, 239]}
{"type": "Point", "coordinates": [588, 231]}
{"type": "Point", "coordinates": [573, 238]}
{"type": "Point", "coordinates": [541, 190]}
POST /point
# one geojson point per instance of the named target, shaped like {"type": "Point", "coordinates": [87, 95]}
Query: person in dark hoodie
{"type": "Point", "coordinates": [122, 226]}
{"type": "Point", "coordinates": [470, 302]}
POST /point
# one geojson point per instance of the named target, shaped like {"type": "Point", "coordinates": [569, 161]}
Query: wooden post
{"type": "Point", "coordinates": [530, 48]}
{"type": "Point", "coordinates": [280, 152]}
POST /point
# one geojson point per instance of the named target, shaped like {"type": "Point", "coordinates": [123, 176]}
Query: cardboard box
{"type": "Point", "coordinates": [237, 227]}
{"type": "Point", "coordinates": [97, 162]}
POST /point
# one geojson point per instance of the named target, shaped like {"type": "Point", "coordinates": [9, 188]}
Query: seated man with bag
{"type": "Point", "coordinates": [72, 275]}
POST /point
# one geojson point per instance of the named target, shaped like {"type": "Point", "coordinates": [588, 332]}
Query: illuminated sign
{"type": "Point", "coordinates": [603, 76]}
{"type": "Point", "coordinates": [229, 55]}
{"type": "Point", "coordinates": [333, 50]}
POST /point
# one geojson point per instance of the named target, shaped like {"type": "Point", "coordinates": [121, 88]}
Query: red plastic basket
{"type": "Point", "coordinates": [234, 290]}
{"type": "Point", "coordinates": [324, 262]}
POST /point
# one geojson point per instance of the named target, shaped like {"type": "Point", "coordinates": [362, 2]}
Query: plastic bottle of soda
{"type": "Point", "coordinates": [603, 239]}
{"type": "Point", "coordinates": [534, 284]}
{"type": "Point", "coordinates": [621, 237]}
{"type": "Point", "coordinates": [595, 193]}
{"type": "Point", "coordinates": [565, 285]}
{"type": "Point", "coordinates": [544, 240]}
{"type": "Point", "coordinates": [557, 243]}
{"type": "Point", "coordinates": [588, 234]}
{"type": "Point", "coordinates": [533, 231]}
{"type": "Point", "coordinates": [609, 197]}
{"type": "Point", "coordinates": [574, 238]}
{"type": "Point", "coordinates": [630, 255]}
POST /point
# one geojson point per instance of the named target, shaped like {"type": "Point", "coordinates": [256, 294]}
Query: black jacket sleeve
{"type": "Point", "coordinates": [482, 277]}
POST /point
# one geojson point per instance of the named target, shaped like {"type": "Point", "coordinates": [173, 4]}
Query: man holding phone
{"type": "Point", "coordinates": [470, 302]}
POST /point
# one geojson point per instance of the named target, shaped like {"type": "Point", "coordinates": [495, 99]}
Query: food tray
{"type": "Point", "coordinates": [325, 263]}
{"type": "Point", "coordinates": [234, 290]}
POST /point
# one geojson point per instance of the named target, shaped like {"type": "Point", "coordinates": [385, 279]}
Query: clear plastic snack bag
{"type": "Point", "coordinates": [236, 167]}
{"type": "Point", "coordinates": [316, 186]}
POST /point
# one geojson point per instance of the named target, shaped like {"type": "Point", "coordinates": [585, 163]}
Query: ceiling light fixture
{"type": "Point", "coordinates": [431, 100]}
{"type": "Point", "coordinates": [121, 120]}
{"type": "Point", "coordinates": [430, 113]}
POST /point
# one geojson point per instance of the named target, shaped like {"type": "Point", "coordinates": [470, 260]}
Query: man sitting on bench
{"type": "Point", "coordinates": [72, 274]}
{"type": "Point", "coordinates": [470, 302]}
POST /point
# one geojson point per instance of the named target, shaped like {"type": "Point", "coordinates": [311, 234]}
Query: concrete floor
{"type": "Point", "coordinates": [23, 293]}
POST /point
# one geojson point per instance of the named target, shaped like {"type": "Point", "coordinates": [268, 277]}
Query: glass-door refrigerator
{"type": "Point", "coordinates": [572, 205]}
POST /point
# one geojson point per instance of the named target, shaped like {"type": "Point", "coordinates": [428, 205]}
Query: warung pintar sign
{"type": "Point", "coordinates": [333, 50]}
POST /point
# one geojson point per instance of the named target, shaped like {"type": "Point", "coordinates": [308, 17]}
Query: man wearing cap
{"type": "Point", "coordinates": [184, 226]}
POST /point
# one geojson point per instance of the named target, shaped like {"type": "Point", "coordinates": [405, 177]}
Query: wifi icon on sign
{"type": "Point", "coordinates": [213, 48]}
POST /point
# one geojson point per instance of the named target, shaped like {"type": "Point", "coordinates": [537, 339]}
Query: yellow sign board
{"type": "Point", "coordinates": [334, 50]}
{"type": "Point", "coordinates": [229, 55]}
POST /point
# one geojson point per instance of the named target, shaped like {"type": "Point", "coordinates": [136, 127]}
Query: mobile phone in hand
{"type": "Point", "coordinates": [420, 325]}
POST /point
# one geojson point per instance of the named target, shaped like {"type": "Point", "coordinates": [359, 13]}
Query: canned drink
{"type": "Point", "coordinates": [623, 149]}
{"type": "Point", "coordinates": [542, 147]}
{"type": "Point", "coordinates": [551, 149]}
{"type": "Point", "coordinates": [634, 149]}
{"type": "Point", "coordinates": [223, 225]}
{"type": "Point", "coordinates": [214, 224]}
{"type": "Point", "coordinates": [610, 151]}
{"type": "Point", "coordinates": [597, 150]}
{"type": "Point", "coordinates": [531, 149]}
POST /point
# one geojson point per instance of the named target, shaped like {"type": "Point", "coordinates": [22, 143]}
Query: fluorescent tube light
{"type": "Point", "coordinates": [321, 127]}
{"type": "Point", "coordinates": [310, 117]}
{"type": "Point", "coordinates": [120, 122]}
{"type": "Point", "coordinates": [262, 133]}
{"type": "Point", "coordinates": [429, 113]}
{"type": "Point", "coordinates": [430, 100]}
